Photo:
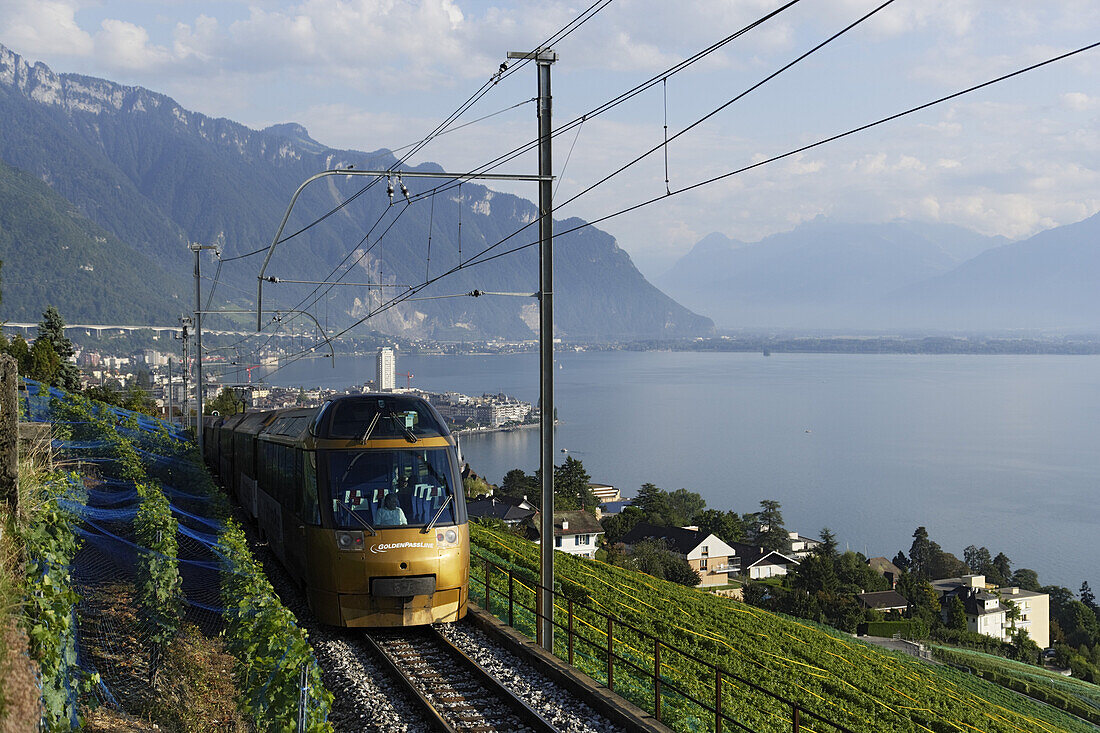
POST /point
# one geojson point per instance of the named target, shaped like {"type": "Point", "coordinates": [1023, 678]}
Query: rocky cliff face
{"type": "Point", "coordinates": [157, 176]}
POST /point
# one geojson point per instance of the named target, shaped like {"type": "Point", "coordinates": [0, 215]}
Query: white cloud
{"type": "Point", "coordinates": [1079, 101]}
{"type": "Point", "coordinates": [125, 46]}
{"type": "Point", "coordinates": [43, 27]}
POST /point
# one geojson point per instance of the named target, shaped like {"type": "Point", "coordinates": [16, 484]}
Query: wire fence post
{"type": "Point", "coordinates": [569, 640]}
{"type": "Point", "coordinates": [657, 679]}
{"type": "Point", "coordinates": [538, 614]}
{"type": "Point", "coordinates": [488, 608]}
{"type": "Point", "coordinates": [303, 697]}
{"type": "Point", "coordinates": [717, 700]}
{"type": "Point", "coordinates": [9, 433]}
{"type": "Point", "coordinates": [610, 654]}
{"type": "Point", "coordinates": [795, 715]}
{"type": "Point", "coordinates": [510, 596]}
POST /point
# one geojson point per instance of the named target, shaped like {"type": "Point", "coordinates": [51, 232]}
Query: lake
{"type": "Point", "coordinates": [999, 451]}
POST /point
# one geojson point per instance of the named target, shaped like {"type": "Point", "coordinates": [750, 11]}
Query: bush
{"type": "Point", "coordinates": [911, 629]}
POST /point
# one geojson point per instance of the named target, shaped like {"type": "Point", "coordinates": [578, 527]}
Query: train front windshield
{"type": "Point", "coordinates": [390, 488]}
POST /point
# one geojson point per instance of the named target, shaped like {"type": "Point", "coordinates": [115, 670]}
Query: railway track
{"type": "Point", "coordinates": [454, 692]}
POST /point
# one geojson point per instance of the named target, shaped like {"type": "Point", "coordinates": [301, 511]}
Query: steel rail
{"type": "Point", "coordinates": [433, 717]}
{"type": "Point", "coordinates": [528, 716]}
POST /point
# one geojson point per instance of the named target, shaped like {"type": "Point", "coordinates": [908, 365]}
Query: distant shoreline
{"type": "Point", "coordinates": [502, 429]}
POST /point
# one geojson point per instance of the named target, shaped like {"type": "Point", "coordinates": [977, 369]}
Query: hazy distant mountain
{"type": "Point", "coordinates": [157, 176]}
{"type": "Point", "coordinates": [1049, 281]}
{"type": "Point", "coordinates": [820, 275]}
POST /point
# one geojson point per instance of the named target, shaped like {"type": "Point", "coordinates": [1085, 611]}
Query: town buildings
{"type": "Point", "coordinates": [990, 610]}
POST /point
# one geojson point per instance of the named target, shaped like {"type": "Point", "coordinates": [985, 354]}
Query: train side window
{"type": "Point", "coordinates": [284, 475]}
{"type": "Point", "coordinates": [309, 510]}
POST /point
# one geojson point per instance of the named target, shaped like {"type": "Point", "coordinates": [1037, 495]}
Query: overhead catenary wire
{"type": "Point", "coordinates": [710, 114]}
{"type": "Point", "coordinates": [579, 121]}
{"type": "Point", "coordinates": [396, 300]}
{"type": "Point", "coordinates": [627, 95]}
{"type": "Point", "coordinates": [562, 33]}
{"type": "Point", "coordinates": [504, 71]}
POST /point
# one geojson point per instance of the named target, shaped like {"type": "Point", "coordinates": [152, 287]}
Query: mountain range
{"type": "Point", "coordinates": [120, 179]}
{"type": "Point", "coordinates": [895, 276]}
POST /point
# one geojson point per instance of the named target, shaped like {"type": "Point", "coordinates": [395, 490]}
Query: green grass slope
{"type": "Point", "coordinates": [1072, 695]}
{"type": "Point", "coordinates": [855, 685]}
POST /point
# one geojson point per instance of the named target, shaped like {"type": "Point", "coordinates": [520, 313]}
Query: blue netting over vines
{"type": "Point", "coordinates": [158, 553]}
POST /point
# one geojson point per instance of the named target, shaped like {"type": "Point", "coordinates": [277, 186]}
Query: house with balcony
{"type": "Point", "coordinates": [988, 608]}
{"type": "Point", "coordinates": [707, 555]}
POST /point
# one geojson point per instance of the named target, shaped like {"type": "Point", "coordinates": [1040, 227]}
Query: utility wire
{"type": "Point", "coordinates": [624, 96]}
{"type": "Point", "coordinates": [504, 72]}
{"type": "Point", "coordinates": [456, 128]}
{"type": "Point", "coordinates": [705, 117]}
{"type": "Point", "coordinates": [881, 121]}
{"type": "Point", "coordinates": [484, 89]}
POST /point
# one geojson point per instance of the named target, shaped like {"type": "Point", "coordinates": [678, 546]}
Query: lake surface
{"type": "Point", "coordinates": [1000, 451]}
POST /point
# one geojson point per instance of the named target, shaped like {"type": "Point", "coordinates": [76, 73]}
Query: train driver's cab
{"type": "Point", "coordinates": [381, 489]}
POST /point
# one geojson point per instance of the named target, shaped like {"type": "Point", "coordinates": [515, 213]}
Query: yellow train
{"type": "Point", "coordinates": [361, 499]}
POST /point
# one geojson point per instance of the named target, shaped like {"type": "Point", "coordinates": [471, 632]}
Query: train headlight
{"type": "Point", "coordinates": [450, 536]}
{"type": "Point", "coordinates": [349, 541]}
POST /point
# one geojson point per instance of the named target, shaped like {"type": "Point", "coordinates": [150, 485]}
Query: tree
{"type": "Point", "coordinates": [920, 553]}
{"type": "Point", "coordinates": [517, 484]}
{"type": "Point", "coordinates": [1087, 596]}
{"type": "Point", "coordinates": [772, 535]}
{"type": "Point", "coordinates": [978, 559]}
{"type": "Point", "coordinates": [855, 575]}
{"type": "Point", "coordinates": [1002, 569]}
{"type": "Point", "coordinates": [726, 526]}
{"type": "Point", "coordinates": [44, 364]}
{"type": "Point", "coordinates": [1026, 579]}
{"type": "Point", "coordinates": [139, 400]}
{"type": "Point", "coordinates": [956, 614]}
{"type": "Point", "coordinates": [901, 561]}
{"type": "Point", "coordinates": [654, 504]}
{"type": "Point", "coordinates": [925, 605]}
{"type": "Point", "coordinates": [653, 558]}
{"type": "Point", "coordinates": [571, 487]}
{"type": "Point", "coordinates": [683, 505]}
{"type": "Point", "coordinates": [52, 328]}
{"type": "Point", "coordinates": [828, 545]}
{"type": "Point", "coordinates": [475, 487]}
{"type": "Point", "coordinates": [816, 573]}
{"type": "Point", "coordinates": [615, 526]}
{"type": "Point", "coordinates": [943, 564]}
{"type": "Point", "coordinates": [228, 402]}
{"type": "Point", "coordinates": [21, 352]}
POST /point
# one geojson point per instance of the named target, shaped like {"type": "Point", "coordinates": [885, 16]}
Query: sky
{"type": "Point", "coordinates": [1012, 159]}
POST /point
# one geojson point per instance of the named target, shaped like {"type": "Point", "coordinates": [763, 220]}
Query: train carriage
{"type": "Point", "coordinates": [361, 499]}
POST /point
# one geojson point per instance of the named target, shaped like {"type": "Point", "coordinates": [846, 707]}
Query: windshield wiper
{"type": "Point", "coordinates": [359, 519]}
{"type": "Point", "coordinates": [409, 436]}
{"type": "Point", "coordinates": [370, 428]}
{"type": "Point", "coordinates": [439, 513]}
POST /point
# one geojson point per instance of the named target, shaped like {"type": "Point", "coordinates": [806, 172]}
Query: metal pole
{"type": "Point", "coordinates": [186, 323]}
{"type": "Point", "coordinates": [197, 249]}
{"type": "Point", "coordinates": [543, 59]}
{"type": "Point", "coordinates": [169, 390]}
{"type": "Point", "coordinates": [198, 350]}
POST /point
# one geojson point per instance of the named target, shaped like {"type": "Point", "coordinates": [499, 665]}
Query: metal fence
{"type": "Point", "coordinates": [659, 685]}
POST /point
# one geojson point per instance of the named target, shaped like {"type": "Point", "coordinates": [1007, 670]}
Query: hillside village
{"type": "Point", "coordinates": [984, 605]}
